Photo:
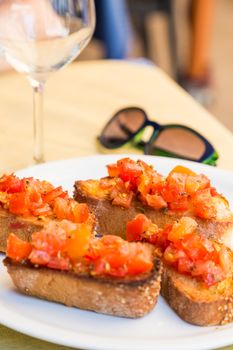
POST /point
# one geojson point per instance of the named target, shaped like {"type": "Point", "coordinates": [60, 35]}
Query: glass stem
{"type": "Point", "coordinates": [38, 89]}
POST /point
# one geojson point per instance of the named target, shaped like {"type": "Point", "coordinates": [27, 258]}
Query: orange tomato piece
{"type": "Point", "coordinates": [19, 204]}
{"type": "Point", "coordinates": [196, 183]}
{"type": "Point", "coordinates": [113, 170]}
{"type": "Point", "coordinates": [78, 241]}
{"type": "Point", "coordinates": [182, 204]}
{"type": "Point", "coordinates": [111, 255]}
{"type": "Point", "coordinates": [80, 212]}
{"type": "Point", "coordinates": [140, 260]}
{"type": "Point", "coordinates": [53, 194]}
{"type": "Point", "coordinates": [17, 249]}
{"type": "Point", "coordinates": [155, 201]}
{"type": "Point", "coordinates": [203, 204]}
{"type": "Point", "coordinates": [182, 170]}
{"type": "Point", "coordinates": [61, 209]}
{"type": "Point", "coordinates": [136, 227]}
{"type": "Point", "coordinates": [129, 170]}
{"type": "Point", "coordinates": [183, 227]}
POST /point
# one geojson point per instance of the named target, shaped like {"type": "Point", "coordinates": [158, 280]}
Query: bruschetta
{"type": "Point", "coordinates": [64, 263]}
{"type": "Point", "coordinates": [135, 187]}
{"type": "Point", "coordinates": [197, 279]}
{"type": "Point", "coordinates": [27, 204]}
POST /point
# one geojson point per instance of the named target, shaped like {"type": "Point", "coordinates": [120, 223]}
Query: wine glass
{"type": "Point", "coordinates": [39, 37]}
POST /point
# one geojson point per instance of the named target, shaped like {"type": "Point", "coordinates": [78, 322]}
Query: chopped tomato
{"type": "Point", "coordinates": [224, 259]}
{"type": "Point", "coordinates": [113, 170]}
{"type": "Point", "coordinates": [40, 210]}
{"type": "Point", "coordinates": [136, 227]}
{"type": "Point", "coordinates": [61, 209]}
{"type": "Point", "coordinates": [182, 170]}
{"type": "Point", "coordinates": [173, 190]}
{"type": "Point", "coordinates": [129, 171]}
{"type": "Point", "coordinates": [140, 260]}
{"type": "Point", "coordinates": [123, 199]}
{"type": "Point", "coordinates": [182, 204]}
{"type": "Point", "coordinates": [172, 255]}
{"type": "Point", "coordinates": [113, 256]}
{"type": "Point", "coordinates": [77, 242]}
{"type": "Point", "coordinates": [50, 240]}
{"type": "Point", "coordinates": [39, 257]}
{"type": "Point", "coordinates": [155, 201]}
{"type": "Point", "coordinates": [11, 184]}
{"type": "Point", "coordinates": [19, 204]}
{"type": "Point", "coordinates": [17, 249]}
{"type": "Point", "coordinates": [183, 248]}
{"type": "Point", "coordinates": [80, 212]}
{"type": "Point", "coordinates": [54, 193]}
{"type": "Point", "coordinates": [70, 210]}
{"type": "Point", "coordinates": [178, 230]}
{"type": "Point", "coordinates": [203, 204]}
{"type": "Point", "coordinates": [196, 183]}
{"type": "Point", "coordinates": [120, 195]}
{"type": "Point", "coordinates": [59, 263]}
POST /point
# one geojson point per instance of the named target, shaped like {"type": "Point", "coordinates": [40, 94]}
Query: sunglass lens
{"type": "Point", "coordinates": [122, 127]}
{"type": "Point", "coordinates": [179, 142]}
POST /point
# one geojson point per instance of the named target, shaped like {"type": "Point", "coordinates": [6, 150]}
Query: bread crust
{"type": "Point", "coordinates": [112, 219]}
{"type": "Point", "coordinates": [195, 303]}
{"type": "Point", "coordinates": [126, 297]}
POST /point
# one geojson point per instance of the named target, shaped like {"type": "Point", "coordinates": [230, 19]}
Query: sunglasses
{"type": "Point", "coordinates": [128, 125]}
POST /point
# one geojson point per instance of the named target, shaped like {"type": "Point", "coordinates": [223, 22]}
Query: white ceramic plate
{"type": "Point", "coordinates": [161, 329]}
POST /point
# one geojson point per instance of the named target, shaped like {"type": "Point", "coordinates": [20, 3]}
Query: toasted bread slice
{"type": "Point", "coordinates": [127, 297]}
{"type": "Point", "coordinates": [195, 303]}
{"type": "Point", "coordinates": [112, 219]}
{"type": "Point", "coordinates": [22, 227]}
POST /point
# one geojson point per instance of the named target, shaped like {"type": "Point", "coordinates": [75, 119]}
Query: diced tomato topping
{"type": "Point", "coordinates": [113, 256]}
{"type": "Point", "coordinates": [184, 227]}
{"type": "Point", "coordinates": [19, 204]}
{"type": "Point", "coordinates": [179, 192]}
{"type": "Point", "coordinates": [196, 183]}
{"type": "Point", "coordinates": [182, 170]}
{"type": "Point", "coordinates": [183, 248]}
{"type": "Point", "coordinates": [77, 242]}
{"type": "Point", "coordinates": [65, 245]}
{"type": "Point", "coordinates": [50, 240]}
{"type": "Point", "coordinates": [155, 201]}
{"type": "Point", "coordinates": [59, 263]}
{"type": "Point", "coordinates": [182, 204]}
{"type": "Point", "coordinates": [123, 199]}
{"type": "Point", "coordinates": [39, 257]}
{"type": "Point", "coordinates": [80, 212]}
{"type": "Point", "coordinates": [40, 210]}
{"type": "Point", "coordinates": [70, 210]}
{"type": "Point", "coordinates": [53, 194]}
{"type": "Point", "coordinates": [29, 196]}
{"type": "Point", "coordinates": [129, 170]}
{"type": "Point", "coordinates": [17, 249]}
{"type": "Point", "coordinates": [203, 204]}
{"type": "Point", "coordinates": [136, 227]}
{"type": "Point", "coordinates": [11, 184]}
{"type": "Point", "coordinates": [120, 195]}
{"type": "Point", "coordinates": [113, 170]}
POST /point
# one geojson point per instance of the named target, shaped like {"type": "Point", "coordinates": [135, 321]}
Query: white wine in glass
{"type": "Point", "coordinates": [39, 37]}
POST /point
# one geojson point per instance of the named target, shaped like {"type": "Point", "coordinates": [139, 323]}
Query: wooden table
{"type": "Point", "coordinates": [78, 101]}
{"type": "Point", "coordinates": [81, 98]}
